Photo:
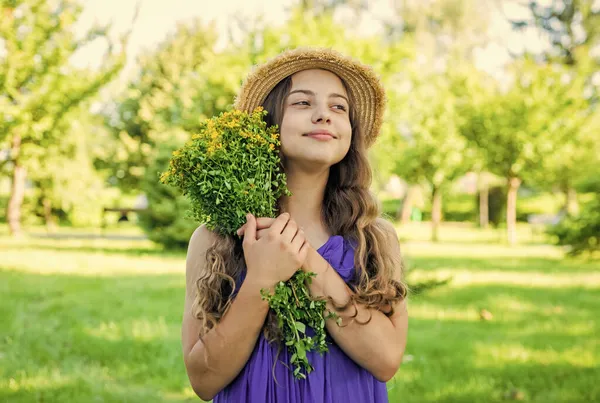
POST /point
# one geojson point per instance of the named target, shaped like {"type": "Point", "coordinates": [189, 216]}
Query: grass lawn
{"type": "Point", "coordinates": [84, 320]}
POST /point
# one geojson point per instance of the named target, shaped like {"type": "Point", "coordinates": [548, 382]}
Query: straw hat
{"type": "Point", "coordinates": [363, 84]}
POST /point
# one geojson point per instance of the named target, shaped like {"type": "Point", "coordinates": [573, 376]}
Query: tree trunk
{"type": "Point", "coordinates": [50, 223]}
{"type": "Point", "coordinates": [484, 202]}
{"type": "Point", "coordinates": [409, 199]}
{"type": "Point", "coordinates": [436, 213]}
{"type": "Point", "coordinates": [511, 210]}
{"type": "Point", "coordinates": [571, 204]}
{"type": "Point", "coordinates": [17, 191]}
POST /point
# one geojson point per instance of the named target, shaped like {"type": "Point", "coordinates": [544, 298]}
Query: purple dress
{"type": "Point", "coordinates": [336, 378]}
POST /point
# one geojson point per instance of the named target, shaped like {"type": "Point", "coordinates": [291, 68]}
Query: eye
{"type": "Point", "coordinates": [340, 107]}
{"type": "Point", "coordinates": [301, 103]}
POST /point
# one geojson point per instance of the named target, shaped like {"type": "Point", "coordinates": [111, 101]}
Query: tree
{"type": "Point", "coordinates": [435, 151]}
{"type": "Point", "coordinates": [514, 130]}
{"type": "Point", "coordinates": [445, 32]}
{"type": "Point", "coordinates": [39, 88]}
{"type": "Point", "coordinates": [573, 31]}
{"type": "Point", "coordinates": [165, 221]}
{"type": "Point", "coordinates": [572, 26]}
{"type": "Point", "coordinates": [177, 85]}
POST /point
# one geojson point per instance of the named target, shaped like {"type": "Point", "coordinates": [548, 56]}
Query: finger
{"type": "Point", "coordinates": [290, 231]}
{"type": "Point", "coordinates": [298, 240]}
{"type": "Point", "coordinates": [303, 253]}
{"type": "Point", "coordinates": [264, 222]}
{"type": "Point", "coordinates": [261, 223]}
{"type": "Point", "coordinates": [280, 223]}
{"type": "Point", "coordinates": [250, 232]}
{"type": "Point", "coordinates": [260, 234]}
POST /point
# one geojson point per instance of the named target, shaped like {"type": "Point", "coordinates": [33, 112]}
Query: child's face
{"type": "Point", "coordinates": [317, 103]}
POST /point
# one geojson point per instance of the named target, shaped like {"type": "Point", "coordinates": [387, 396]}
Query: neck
{"type": "Point", "coordinates": [306, 202]}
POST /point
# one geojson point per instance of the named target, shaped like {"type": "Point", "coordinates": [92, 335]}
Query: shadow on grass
{"type": "Point", "coordinates": [516, 264]}
{"type": "Point", "coordinates": [124, 251]}
{"type": "Point", "coordinates": [82, 390]}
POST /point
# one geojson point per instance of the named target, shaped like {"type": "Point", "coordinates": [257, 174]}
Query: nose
{"type": "Point", "coordinates": [321, 115]}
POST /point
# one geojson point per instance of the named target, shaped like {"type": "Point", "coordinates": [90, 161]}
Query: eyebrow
{"type": "Point", "coordinates": [311, 93]}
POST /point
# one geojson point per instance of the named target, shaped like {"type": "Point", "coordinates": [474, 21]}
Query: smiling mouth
{"type": "Point", "coordinates": [321, 134]}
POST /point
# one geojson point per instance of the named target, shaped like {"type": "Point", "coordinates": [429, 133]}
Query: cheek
{"type": "Point", "coordinates": [346, 129]}
{"type": "Point", "coordinates": [284, 131]}
{"type": "Point", "coordinates": [290, 127]}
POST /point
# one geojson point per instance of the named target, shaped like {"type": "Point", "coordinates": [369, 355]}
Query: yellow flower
{"type": "Point", "coordinates": [271, 147]}
{"type": "Point", "coordinates": [176, 153]}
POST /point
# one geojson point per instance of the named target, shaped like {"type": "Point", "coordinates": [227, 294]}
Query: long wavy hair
{"type": "Point", "coordinates": [349, 209]}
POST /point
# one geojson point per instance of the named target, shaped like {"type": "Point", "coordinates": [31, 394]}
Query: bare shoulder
{"type": "Point", "coordinates": [200, 241]}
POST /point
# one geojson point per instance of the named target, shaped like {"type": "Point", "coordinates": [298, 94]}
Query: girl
{"type": "Point", "coordinates": [329, 110]}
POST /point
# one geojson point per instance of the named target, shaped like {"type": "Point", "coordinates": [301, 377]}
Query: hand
{"type": "Point", "coordinates": [278, 254]}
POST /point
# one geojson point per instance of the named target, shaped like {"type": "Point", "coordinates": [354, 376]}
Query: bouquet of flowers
{"type": "Point", "coordinates": [232, 167]}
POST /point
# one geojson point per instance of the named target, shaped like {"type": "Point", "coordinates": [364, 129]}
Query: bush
{"type": "Point", "coordinates": [166, 221]}
{"type": "Point", "coordinates": [581, 233]}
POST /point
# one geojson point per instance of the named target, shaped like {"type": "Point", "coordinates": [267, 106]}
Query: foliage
{"type": "Point", "coordinates": [177, 86]}
{"type": "Point", "coordinates": [66, 181]}
{"type": "Point", "coordinates": [510, 128]}
{"type": "Point", "coordinates": [571, 26]}
{"type": "Point", "coordinates": [296, 310]}
{"type": "Point", "coordinates": [519, 129]}
{"type": "Point", "coordinates": [435, 152]}
{"type": "Point", "coordinates": [164, 221]}
{"type": "Point", "coordinates": [41, 90]}
{"type": "Point", "coordinates": [230, 167]}
{"type": "Point", "coordinates": [582, 232]}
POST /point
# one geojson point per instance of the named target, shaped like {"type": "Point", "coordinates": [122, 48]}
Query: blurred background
{"type": "Point", "coordinates": [488, 165]}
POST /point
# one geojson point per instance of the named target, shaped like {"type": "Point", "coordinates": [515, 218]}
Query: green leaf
{"type": "Point", "coordinates": [300, 327]}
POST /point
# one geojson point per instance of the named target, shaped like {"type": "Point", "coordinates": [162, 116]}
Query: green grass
{"type": "Point", "coordinates": [85, 320]}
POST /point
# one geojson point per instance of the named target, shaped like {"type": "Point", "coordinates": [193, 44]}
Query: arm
{"type": "Point", "coordinates": [230, 343]}
{"type": "Point", "coordinates": [377, 346]}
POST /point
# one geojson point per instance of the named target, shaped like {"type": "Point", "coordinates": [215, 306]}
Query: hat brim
{"type": "Point", "coordinates": [362, 82]}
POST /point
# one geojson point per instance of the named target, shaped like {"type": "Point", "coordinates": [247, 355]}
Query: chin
{"type": "Point", "coordinates": [312, 161]}
{"type": "Point", "coordinates": [318, 154]}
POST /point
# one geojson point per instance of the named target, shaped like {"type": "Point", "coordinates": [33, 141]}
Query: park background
{"type": "Point", "coordinates": [488, 166]}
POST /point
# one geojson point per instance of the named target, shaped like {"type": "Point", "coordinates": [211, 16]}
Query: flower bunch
{"type": "Point", "coordinates": [232, 167]}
